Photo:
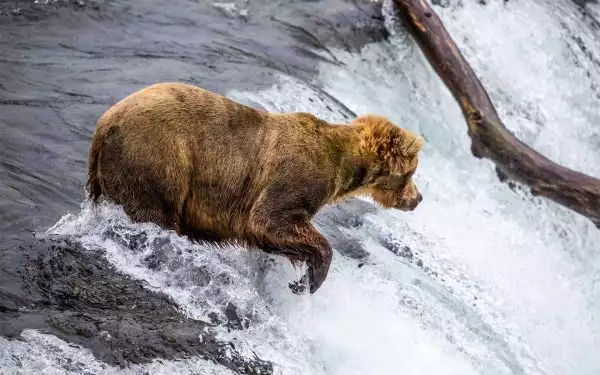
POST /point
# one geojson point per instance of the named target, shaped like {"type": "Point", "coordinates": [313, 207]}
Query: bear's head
{"type": "Point", "coordinates": [392, 154]}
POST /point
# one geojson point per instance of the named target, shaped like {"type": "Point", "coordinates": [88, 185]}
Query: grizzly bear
{"type": "Point", "coordinates": [212, 169]}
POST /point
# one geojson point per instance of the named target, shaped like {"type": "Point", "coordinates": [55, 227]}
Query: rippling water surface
{"type": "Point", "coordinates": [482, 279]}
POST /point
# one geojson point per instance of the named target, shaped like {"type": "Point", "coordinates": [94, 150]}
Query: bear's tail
{"type": "Point", "coordinates": [93, 183]}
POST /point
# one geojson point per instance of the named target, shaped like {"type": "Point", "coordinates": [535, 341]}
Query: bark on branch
{"type": "Point", "coordinates": [490, 138]}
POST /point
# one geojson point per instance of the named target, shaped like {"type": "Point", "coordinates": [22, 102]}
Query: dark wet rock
{"type": "Point", "coordinates": [215, 318]}
{"type": "Point", "coordinates": [59, 287]}
{"type": "Point", "coordinates": [393, 245]}
{"type": "Point", "coordinates": [223, 278]}
{"type": "Point", "coordinates": [138, 240]}
{"type": "Point", "coordinates": [351, 248]}
{"type": "Point", "coordinates": [452, 4]}
{"type": "Point", "coordinates": [396, 247]}
{"type": "Point", "coordinates": [230, 317]}
{"type": "Point", "coordinates": [112, 234]}
{"type": "Point", "coordinates": [162, 254]}
{"type": "Point", "coordinates": [349, 214]}
{"type": "Point", "coordinates": [234, 321]}
{"type": "Point", "coordinates": [125, 237]}
{"type": "Point", "coordinates": [583, 3]}
{"type": "Point", "coordinates": [441, 3]}
{"type": "Point", "coordinates": [199, 276]}
{"type": "Point", "coordinates": [335, 23]}
{"type": "Point", "coordinates": [155, 261]}
{"type": "Point", "coordinates": [35, 10]}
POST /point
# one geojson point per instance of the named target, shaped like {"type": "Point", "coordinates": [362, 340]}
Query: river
{"type": "Point", "coordinates": [482, 278]}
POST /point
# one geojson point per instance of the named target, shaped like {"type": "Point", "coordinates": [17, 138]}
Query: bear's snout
{"type": "Point", "coordinates": [416, 202]}
{"type": "Point", "coordinates": [410, 198]}
{"type": "Point", "coordinates": [412, 205]}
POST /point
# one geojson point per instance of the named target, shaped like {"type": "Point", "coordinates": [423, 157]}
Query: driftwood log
{"type": "Point", "coordinates": [489, 137]}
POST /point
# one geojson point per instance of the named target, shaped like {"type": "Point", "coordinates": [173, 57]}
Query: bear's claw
{"type": "Point", "coordinates": [311, 279]}
{"type": "Point", "coordinates": [316, 276]}
{"type": "Point", "coordinates": [299, 287]}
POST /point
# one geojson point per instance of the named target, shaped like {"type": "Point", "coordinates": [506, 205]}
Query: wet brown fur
{"type": "Point", "coordinates": [212, 169]}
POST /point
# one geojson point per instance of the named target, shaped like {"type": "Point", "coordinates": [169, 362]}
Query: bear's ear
{"type": "Point", "coordinates": [386, 140]}
{"type": "Point", "coordinates": [408, 143]}
{"type": "Point", "coordinates": [378, 136]}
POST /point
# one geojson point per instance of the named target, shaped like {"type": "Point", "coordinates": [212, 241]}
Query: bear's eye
{"type": "Point", "coordinates": [380, 172]}
{"type": "Point", "coordinates": [401, 179]}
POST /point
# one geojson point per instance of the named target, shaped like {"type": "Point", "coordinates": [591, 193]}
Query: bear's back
{"type": "Point", "coordinates": [181, 109]}
{"type": "Point", "coordinates": [206, 128]}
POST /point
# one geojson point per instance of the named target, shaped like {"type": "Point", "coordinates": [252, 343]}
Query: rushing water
{"type": "Point", "coordinates": [482, 278]}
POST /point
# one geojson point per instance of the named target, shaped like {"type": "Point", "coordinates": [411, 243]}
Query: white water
{"type": "Point", "coordinates": [513, 286]}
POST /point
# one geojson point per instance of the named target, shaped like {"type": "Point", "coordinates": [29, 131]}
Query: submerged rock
{"type": "Point", "coordinates": [61, 288]}
{"type": "Point", "coordinates": [333, 219]}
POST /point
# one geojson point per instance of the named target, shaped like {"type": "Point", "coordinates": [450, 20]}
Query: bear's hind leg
{"type": "Point", "coordinates": [143, 197]}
